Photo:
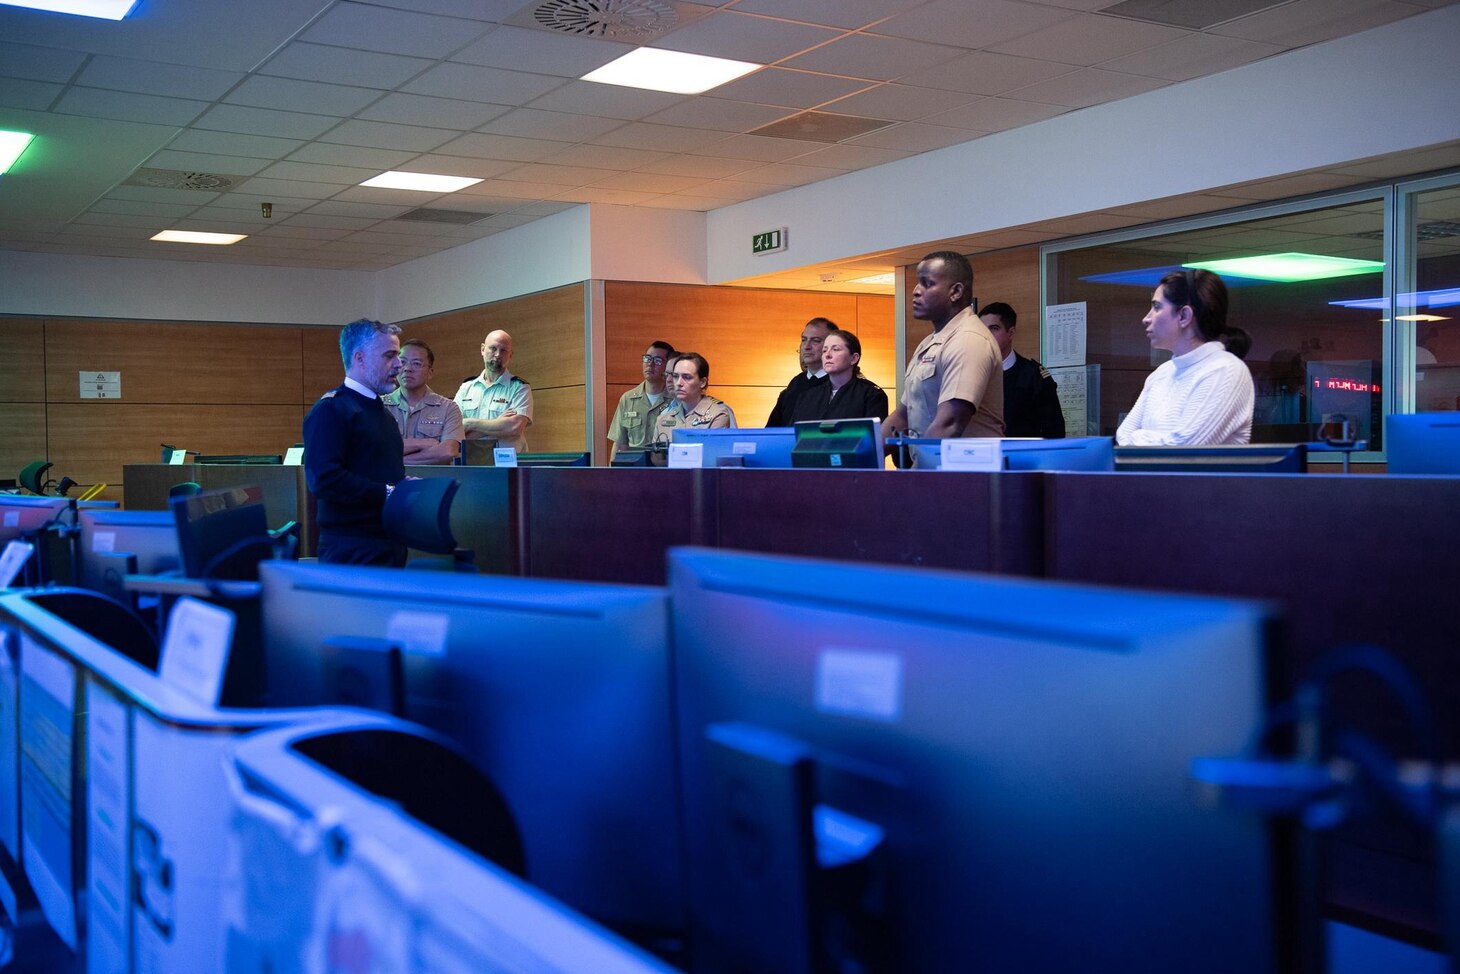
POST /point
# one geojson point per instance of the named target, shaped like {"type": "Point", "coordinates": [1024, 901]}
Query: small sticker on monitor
{"type": "Point", "coordinates": [421, 633]}
{"type": "Point", "coordinates": [859, 683]}
{"type": "Point", "coordinates": [742, 448]}
{"type": "Point", "coordinates": [104, 541]}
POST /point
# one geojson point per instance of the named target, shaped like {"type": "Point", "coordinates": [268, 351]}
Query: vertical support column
{"type": "Point", "coordinates": [595, 383]}
{"type": "Point", "coordinates": [899, 326]}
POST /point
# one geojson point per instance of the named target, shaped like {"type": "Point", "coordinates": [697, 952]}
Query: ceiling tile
{"type": "Point", "coordinates": [500, 147]}
{"type": "Point", "coordinates": [853, 156]}
{"type": "Point", "coordinates": [474, 83]}
{"type": "Point", "coordinates": [156, 78]}
{"type": "Point", "coordinates": [386, 135]}
{"type": "Point", "coordinates": [745, 37]}
{"type": "Point", "coordinates": [128, 106]}
{"type": "Point", "coordinates": [613, 101]}
{"type": "Point", "coordinates": [122, 220]}
{"type": "Point", "coordinates": [649, 182]}
{"type": "Point", "coordinates": [39, 63]}
{"type": "Point", "coordinates": [733, 191]}
{"type": "Point", "coordinates": [159, 195]}
{"type": "Point", "coordinates": [1192, 56]}
{"type": "Point", "coordinates": [513, 189]}
{"type": "Point", "coordinates": [518, 49]}
{"type": "Point", "coordinates": [387, 197]}
{"type": "Point", "coordinates": [371, 28]}
{"type": "Point", "coordinates": [264, 121]}
{"type": "Point", "coordinates": [206, 162]}
{"type": "Point", "coordinates": [914, 137]}
{"type": "Point", "coordinates": [493, 10]}
{"type": "Point", "coordinates": [289, 94]}
{"type": "Point", "coordinates": [987, 74]}
{"type": "Point", "coordinates": [972, 25]}
{"type": "Point", "coordinates": [340, 175]}
{"type": "Point", "coordinates": [1086, 87]}
{"type": "Point", "coordinates": [847, 14]}
{"type": "Point", "coordinates": [34, 96]}
{"type": "Point", "coordinates": [900, 102]}
{"type": "Point", "coordinates": [873, 56]}
{"type": "Point", "coordinates": [1089, 39]}
{"type": "Point", "coordinates": [540, 172]}
{"type": "Point", "coordinates": [234, 144]}
{"type": "Point", "coordinates": [604, 157]}
{"type": "Point", "coordinates": [693, 204]}
{"type": "Point", "coordinates": [720, 114]}
{"type": "Point", "coordinates": [532, 123]}
{"type": "Point", "coordinates": [448, 113]}
{"type": "Point", "coordinates": [139, 208]}
{"type": "Point", "coordinates": [238, 200]}
{"type": "Point", "coordinates": [793, 89]}
{"type": "Point", "coordinates": [353, 155]}
{"type": "Point", "coordinates": [1306, 22]}
{"type": "Point", "coordinates": [372, 211]}
{"type": "Point", "coordinates": [542, 209]}
{"type": "Point", "coordinates": [665, 138]}
{"type": "Point", "coordinates": [366, 69]}
{"type": "Point", "coordinates": [602, 194]}
{"type": "Point", "coordinates": [704, 167]}
{"type": "Point", "coordinates": [785, 174]}
{"type": "Point", "coordinates": [304, 233]}
{"type": "Point", "coordinates": [757, 147]}
{"type": "Point", "coordinates": [300, 189]}
{"type": "Point", "coordinates": [460, 166]}
{"type": "Point", "coordinates": [322, 221]}
{"type": "Point", "coordinates": [996, 115]}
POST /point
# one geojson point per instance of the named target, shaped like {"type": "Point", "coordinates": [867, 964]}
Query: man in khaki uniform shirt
{"type": "Point", "coordinates": [633, 422]}
{"type": "Point", "coordinates": [954, 384]}
{"type": "Point", "coordinates": [430, 424]}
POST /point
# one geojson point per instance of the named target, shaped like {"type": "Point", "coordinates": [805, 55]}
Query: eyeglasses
{"type": "Point", "coordinates": [655, 359]}
{"type": "Point", "coordinates": [408, 364]}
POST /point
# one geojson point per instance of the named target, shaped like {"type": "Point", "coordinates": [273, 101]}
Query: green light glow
{"type": "Point", "coordinates": [12, 144]}
{"type": "Point", "coordinates": [1290, 267]}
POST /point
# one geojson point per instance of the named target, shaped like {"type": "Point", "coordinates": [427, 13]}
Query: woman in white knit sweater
{"type": "Point", "coordinates": [1204, 395]}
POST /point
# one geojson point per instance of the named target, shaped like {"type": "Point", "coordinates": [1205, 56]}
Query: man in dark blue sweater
{"type": "Point", "coordinates": [353, 450]}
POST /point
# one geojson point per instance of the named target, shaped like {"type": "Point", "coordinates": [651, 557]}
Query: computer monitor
{"type": "Point", "coordinates": [1423, 443]}
{"type": "Point", "coordinates": [746, 447]}
{"type": "Point", "coordinates": [1246, 458]}
{"type": "Point", "coordinates": [22, 516]}
{"type": "Point", "coordinates": [555, 459]}
{"type": "Point", "coordinates": [559, 691]}
{"type": "Point", "coordinates": [117, 543]}
{"type": "Point", "coordinates": [267, 459]}
{"type": "Point", "coordinates": [1076, 453]}
{"type": "Point", "coordinates": [1000, 766]}
{"type": "Point", "coordinates": [851, 443]}
{"type": "Point", "coordinates": [222, 534]}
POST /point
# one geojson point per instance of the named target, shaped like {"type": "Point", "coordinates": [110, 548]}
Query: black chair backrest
{"type": "Point", "coordinates": [418, 514]}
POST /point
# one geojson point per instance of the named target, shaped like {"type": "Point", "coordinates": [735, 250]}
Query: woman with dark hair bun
{"type": "Point", "coordinates": [1204, 395]}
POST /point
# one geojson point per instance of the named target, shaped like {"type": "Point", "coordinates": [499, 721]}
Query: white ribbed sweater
{"type": "Point", "coordinates": [1201, 398]}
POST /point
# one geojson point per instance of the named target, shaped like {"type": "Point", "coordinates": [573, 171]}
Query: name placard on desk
{"type": "Point", "coordinates": [294, 456]}
{"type": "Point", "coordinates": [177, 458]}
{"type": "Point", "coordinates": [685, 456]}
{"type": "Point", "coordinates": [972, 453]}
{"type": "Point", "coordinates": [504, 456]}
{"type": "Point", "coordinates": [195, 649]}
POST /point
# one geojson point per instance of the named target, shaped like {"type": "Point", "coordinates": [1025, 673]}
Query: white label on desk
{"type": "Point", "coordinates": [177, 458]}
{"type": "Point", "coordinates": [101, 385]}
{"type": "Point", "coordinates": [422, 633]}
{"type": "Point", "coordinates": [972, 453]}
{"type": "Point", "coordinates": [104, 541]}
{"type": "Point", "coordinates": [294, 456]}
{"type": "Point", "coordinates": [859, 683]}
{"type": "Point", "coordinates": [108, 804]}
{"type": "Point", "coordinates": [14, 556]}
{"type": "Point", "coordinates": [743, 448]}
{"type": "Point", "coordinates": [686, 455]}
{"type": "Point", "coordinates": [12, 519]}
{"type": "Point", "coordinates": [195, 649]}
{"type": "Point", "coordinates": [504, 456]}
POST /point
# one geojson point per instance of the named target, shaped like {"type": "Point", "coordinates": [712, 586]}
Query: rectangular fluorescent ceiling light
{"type": "Point", "coordinates": [103, 9]}
{"type": "Point", "coordinates": [12, 144]}
{"type": "Point", "coordinates": [673, 71]}
{"type": "Point", "coordinates": [1422, 318]}
{"type": "Point", "coordinates": [423, 182]}
{"type": "Point", "coordinates": [198, 237]}
{"type": "Point", "coordinates": [1409, 299]}
{"type": "Point", "coordinates": [1291, 267]}
{"type": "Point", "coordinates": [887, 279]}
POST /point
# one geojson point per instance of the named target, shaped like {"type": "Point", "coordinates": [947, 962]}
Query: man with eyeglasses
{"type": "Point", "coordinates": [430, 424]}
{"type": "Point", "coordinates": [811, 373]}
{"type": "Point", "coordinates": [638, 409]}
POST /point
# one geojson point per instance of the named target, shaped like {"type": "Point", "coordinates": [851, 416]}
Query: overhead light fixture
{"type": "Point", "coordinates": [12, 144]}
{"type": "Point", "coordinates": [1409, 299]}
{"type": "Point", "coordinates": [1421, 318]}
{"type": "Point", "coordinates": [1290, 268]}
{"type": "Point", "coordinates": [421, 182]}
{"type": "Point", "coordinates": [886, 280]}
{"type": "Point", "coordinates": [198, 237]}
{"type": "Point", "coordinates": [672, 71]}
{"type": "Point", "coordinates": [102, 9]}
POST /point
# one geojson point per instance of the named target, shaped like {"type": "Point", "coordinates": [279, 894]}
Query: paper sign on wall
{"type": "Point", "coordinates": [101, 385]}
{"type": "Point", "coordinates": [1064, 334]}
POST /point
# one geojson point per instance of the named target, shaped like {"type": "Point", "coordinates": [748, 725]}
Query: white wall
{"type": "Point", "coordinates": [634, 243]}
{"type": "Point", "coordinates": [1386, 90]}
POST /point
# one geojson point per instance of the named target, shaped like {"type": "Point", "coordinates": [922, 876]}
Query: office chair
{"type": "Point", "coordinates": [32, 476]}
{"type": "Point", "coordinates": [188, 488]}
{"type": "Point", "coordinates": [418, 515]}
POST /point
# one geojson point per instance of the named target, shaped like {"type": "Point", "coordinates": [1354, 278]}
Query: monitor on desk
{"type": "Point", "coordinates": [897, 769]}
{"type": "Point", "coordinates": [1244, 458]}
{"type": "Point", "coordinates": [1423, 443]}
{"type": "Point", "coordinates": [222, 534]}
{"type": "Point", "coordinates": [854, 444]}
{"type": "Point", "coordinates": [747, 447]}
{"type": "Point", "coordinates": [1076, 453]}
{"type": "Point", "coordinates": [118, 543]}
{"type": "Point", "coordinates": [558, 690]}
{"type": "Point", "coordinates": [555, 459]}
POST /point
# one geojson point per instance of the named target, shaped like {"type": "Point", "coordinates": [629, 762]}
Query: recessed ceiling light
{"type": "Point", "coordinates": [423, 182]}
{"type": "Point", "coordinates": [198, 237]}
{"type": "Point", "coordinates": [12, 144]}
{"type": "Point", "coordinates": [1422, 318]}
{"type": "Point", "coordinates": [886, 280]}
{"type": "Point", "coordinates": [673, 71]}
{"type": "Point", "coordinates": [104, 9]}
{"type": "Point", "coordinates": [1290, 267]}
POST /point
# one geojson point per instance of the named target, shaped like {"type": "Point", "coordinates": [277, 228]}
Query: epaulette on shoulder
{"type": "Point", "coordinates": [518, 378]}
{"type": "Point", "coordinates": [330, 394]}
{"type": "Point", "coordinates": [1044, 373]}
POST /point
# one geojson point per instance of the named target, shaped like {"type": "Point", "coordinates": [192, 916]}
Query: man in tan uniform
{"type": "Point", "coordinates": [430, 424]}
{"type": "Point", "coordinates": [633, 422]}
{"type": "Point", "coordinates": [954, 384]}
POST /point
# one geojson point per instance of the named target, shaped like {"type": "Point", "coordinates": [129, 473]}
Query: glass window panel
{"type": "Point", "coordinates": [1317, 344]}
{"type": "Point", "coordinates": [1432, 303]}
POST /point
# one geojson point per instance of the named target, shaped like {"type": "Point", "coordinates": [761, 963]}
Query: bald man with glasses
{"type": "Point", "coordinates": [638, 409]}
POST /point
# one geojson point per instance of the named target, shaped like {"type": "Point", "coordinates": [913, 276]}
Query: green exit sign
{"type": "Point", "coordinates": [768, 242]}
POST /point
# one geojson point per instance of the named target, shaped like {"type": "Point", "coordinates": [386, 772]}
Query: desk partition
{"type": "Point", "coordinates": [285, 496]}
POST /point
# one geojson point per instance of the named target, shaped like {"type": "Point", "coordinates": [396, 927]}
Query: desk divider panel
{"type": "Point", "coordinates": [486, 515]}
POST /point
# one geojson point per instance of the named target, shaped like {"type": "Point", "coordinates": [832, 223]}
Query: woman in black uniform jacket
{"type": "Point", "coordinates": [845, 394]}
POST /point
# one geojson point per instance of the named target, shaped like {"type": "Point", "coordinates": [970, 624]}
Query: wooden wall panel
{"type": "Point", "coordinates": [557, 420]}
{"type": "Point", "coordinates": [25, 341]}
{"type": "Point", "coordinates": [320, 368]}
{"type": "Point", "coordinates": [24, 424]}
{"type": "Point", "coordinates": [547, 339]}
{"type": "Point", "coordinates": [752, 404]}
{"type": "Point", "coordinates": [91, 441]}
{"type": "Point", "coordinates": [175, 362]}
{"type": "Point", "coordinates": [877, 330]}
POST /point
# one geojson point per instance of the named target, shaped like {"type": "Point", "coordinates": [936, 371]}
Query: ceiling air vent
{"type": "Point", "coordinates": [427, 215]}
{"type": "Point", "coordinates": [207, 182]}
{"type": "Point", "coordinates": [821, 127]}
{"type": "Point", "coordinates": [634, 21]}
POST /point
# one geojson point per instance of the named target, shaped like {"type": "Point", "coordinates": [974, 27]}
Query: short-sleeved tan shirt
{"type": "Point", "coordinates": [433, 418]}
{"type": "Point", "coordinates": [960, 362]}
{"type": "Point", "coordinates": [634, 420]}
{"type": "Point", "coordinates": [709, 412]}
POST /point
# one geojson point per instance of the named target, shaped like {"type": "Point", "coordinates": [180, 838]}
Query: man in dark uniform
{"type": "Point", "coordinates": [353, 450]}
{"type": "Point", "coordinates": [1031, 404]}
{"type": "Point", "coordinates": [811, 373]}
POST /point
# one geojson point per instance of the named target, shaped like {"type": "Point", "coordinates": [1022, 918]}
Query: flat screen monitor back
{"type": "Point", "coordinates": [1077, 453]}
{"type": "Point", "coordinates": [222, 534]}
{"type": "Point", "coordinates": [558, 691]}
{"type": "Point", "coordinates": [848, 443]}
{"type": "Point", "coordinates": [1424, 443]}
{"type": "Point", "coordinates": [754, 447]}
{"type": "Point", "coordinates": [21, 515]}
{"type": "Point", "coordinates": [150, 537]}
{"type": "Point", "coordinates": [1024, 745]}
{"type": "Point", "coordinates": [1244, 458]}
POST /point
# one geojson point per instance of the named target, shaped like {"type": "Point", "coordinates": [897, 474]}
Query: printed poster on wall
{"type": "Point", "coordinates": [1064, 334]}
